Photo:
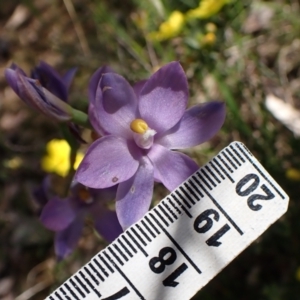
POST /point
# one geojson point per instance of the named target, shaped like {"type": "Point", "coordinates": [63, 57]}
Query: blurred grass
{"type": "Point", "coordinates": [241, 68]}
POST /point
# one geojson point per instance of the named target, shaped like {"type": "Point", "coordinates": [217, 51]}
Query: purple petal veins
{"type": "Point", "coordinates": [198, 124]}
{"type": "Point", "coordinates": [134, 195]}
{"type": "Point", "coordinates": [109, 161]}
{"type": "Point", "coordinates": [171, 167]}
{"type": "Point", "coordinates": [163, 98]}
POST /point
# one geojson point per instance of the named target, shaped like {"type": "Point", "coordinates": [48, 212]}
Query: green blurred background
{"type": "Point", "coordinates": [244, 54]}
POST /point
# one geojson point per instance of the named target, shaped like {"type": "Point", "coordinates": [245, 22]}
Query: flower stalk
{"type": "Point", "coordinates": [80, 118]}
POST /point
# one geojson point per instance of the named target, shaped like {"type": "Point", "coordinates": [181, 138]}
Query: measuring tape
{"type": "Point", "coordinates": [188, 238]}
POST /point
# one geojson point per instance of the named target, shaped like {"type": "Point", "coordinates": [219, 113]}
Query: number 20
{"type": "Point", "coordinates": [242, 191]}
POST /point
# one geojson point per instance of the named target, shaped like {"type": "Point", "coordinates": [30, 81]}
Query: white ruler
{"type": "Point", "coordinates": [188, 238]}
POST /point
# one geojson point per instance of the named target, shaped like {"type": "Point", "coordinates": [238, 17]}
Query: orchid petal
{"type": "Point", "coordinates": [12, 79]}
{"type": "Point", "coordinates": [94, 81]}
{"type": "Point", "coordinates": [47, 69]}
{"type": "Point", "coordinates": [171, 167]}
{"type": "Point", "coordinates": [106, 221]}
{"type": "Point", "coordinates": [117, 105]}
{"type": "Point", "coordinates": [66, 240]}
{"type": "Point", "coordinates": [51, 80]}
{"type": "Point", "coordinates": [94, 119]}
{"type": "Point", "coordinates": [52, 106]}
{"type": "Point", "coordinates": [134, 195]}
{"type": "Point", "coordinates": [93, 89]}
{"type": "Point", "coordinates": [42, 193]}
{"type": "Point", "coordinates": [164, 97]}
{"type": "Point", "coordinates": [108, 225]}
{"type": "Point", "coordinates": [138, 86]}
{"type": "Point", "coordinates": [40, 196]}
{"type": "Point", "coordinates": [58, 214]}
{"type": "Point", "coordinates": [108, 161]}
{"type": "Point", "coordinates": [15, 67]}
{"type": "Point", "coordinates": [198, 124]}
{"type": "Point", "coordinates": [34, 95]}
{"type": "Point", "coordinates": [68, 77]}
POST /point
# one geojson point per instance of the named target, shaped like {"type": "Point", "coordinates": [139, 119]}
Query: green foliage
{"type": "Point", "coordinates": [241, 67]}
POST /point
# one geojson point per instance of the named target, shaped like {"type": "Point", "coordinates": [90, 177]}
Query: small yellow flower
{"type": "Point", "coordinates": [208, 39]}
{"type": "Point", "coordinates": [57, 159]}
{"type": "Point", "coordinates": [206, 9]}
{"type": "Point", "coordinates": [293, 174]}
{"type": "Point", "coordinates": [169, 28]}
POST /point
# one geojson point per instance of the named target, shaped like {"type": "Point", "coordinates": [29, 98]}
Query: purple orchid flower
{"type": "Point", "coordinates": [141, 127]}
{"type": "Point", "coordinates": [66, 216]}
{"type": "Point", "coordinates": [45, 91]}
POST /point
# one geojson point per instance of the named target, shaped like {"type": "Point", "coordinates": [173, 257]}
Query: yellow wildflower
{"type": "Point", "coordinates": [57, 159]}
{"type": "Point", "coordinates": [293, 174]}
{"type": "Point", "coordinates": [206, 9]}
{"type": "Point", "coordinates": [169, 28]}
{"type": "Point", "coordinates": [208, 39]}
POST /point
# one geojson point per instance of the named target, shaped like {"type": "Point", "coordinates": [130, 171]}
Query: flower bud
{"type": "Point", "coordinates": [36, 96]}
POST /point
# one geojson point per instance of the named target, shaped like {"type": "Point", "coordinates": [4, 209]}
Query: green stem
{"type": "Point", "coordinates": [80, 118]}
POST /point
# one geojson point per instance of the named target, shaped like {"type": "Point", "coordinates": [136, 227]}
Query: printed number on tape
{"type": "Point", "coordinates": [188, 238]}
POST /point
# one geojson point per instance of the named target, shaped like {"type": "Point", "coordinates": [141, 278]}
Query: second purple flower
{"type": "Point", "coordinates": [141, 125]}
{"type": "Point", "coordinates": [45, 90]}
